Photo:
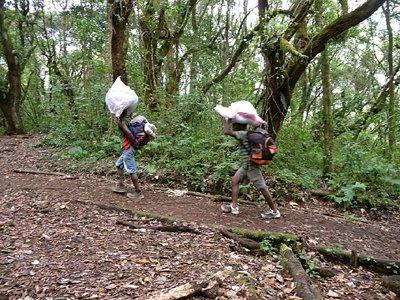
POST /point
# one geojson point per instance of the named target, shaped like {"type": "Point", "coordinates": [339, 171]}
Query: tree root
{"type": "Point", "coordinates": [245, 242]}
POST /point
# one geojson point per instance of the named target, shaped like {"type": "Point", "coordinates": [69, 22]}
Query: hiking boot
{"type": "Point", "coordinates": [135, 196]}
{"type": "Point", "coordinates": [270, 214]}
{"type": "Point", "coordinates": [230, 209]}
{"type": "Point", "coordinates": [119, 189]}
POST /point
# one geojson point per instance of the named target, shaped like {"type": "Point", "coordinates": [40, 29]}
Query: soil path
{"type": "Point", "coordinates": [318, 222]}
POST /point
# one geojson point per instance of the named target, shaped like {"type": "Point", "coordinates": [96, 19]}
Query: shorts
{"type": "Point", "coordinates": [127, 161]}
{"type": "Point", "coordinates": [252, 173]}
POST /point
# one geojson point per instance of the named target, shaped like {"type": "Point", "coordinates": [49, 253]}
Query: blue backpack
{"type": "Point", "coordinates": [140, 136]}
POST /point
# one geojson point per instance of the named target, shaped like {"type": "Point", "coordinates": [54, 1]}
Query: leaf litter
{"type": "Point", "coordinates": [53, 247]}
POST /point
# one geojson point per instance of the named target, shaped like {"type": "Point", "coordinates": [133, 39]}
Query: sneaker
{"type": "Point", "coordinates": [230, 209]}
{"type": "Point", "coordinates": [119, 189]}
{"type": "Point", "coordinates": [270, 214]}
{"type": "Point", "coordinates": [135, 196]}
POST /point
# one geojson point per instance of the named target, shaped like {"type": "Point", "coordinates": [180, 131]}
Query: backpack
{"type": "Point", "coordinates": [262, 147]}
{"type": "Point", "coordinates": [140, 136]}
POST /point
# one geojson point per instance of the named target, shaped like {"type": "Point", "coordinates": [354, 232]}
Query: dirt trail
{"type": "Point", "coordinates": [54, 245]}
{"type": "Point", "coordinates": [316, 223]}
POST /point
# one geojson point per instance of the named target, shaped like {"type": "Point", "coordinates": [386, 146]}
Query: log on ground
{"type": "Point", "coordinates": [351, 258]}
{"type": "Point", "coordinates": [209, 288]}
{"type": "Point", "coordinates": [392, 283]}
{"type": "Point", "coordinates": [305, 288]}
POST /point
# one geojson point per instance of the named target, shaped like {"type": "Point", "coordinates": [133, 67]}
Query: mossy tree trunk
{"type": "Point", "coordinates": [285, 62]}
{"type": "Point", "coordinates": [392, 116]}
{"type": "Point", "coordinates": [327, 114]}
{"type": "Point", "coordinates": [161, 42]}
{"type": "Point", "coordinates": [10, 93]}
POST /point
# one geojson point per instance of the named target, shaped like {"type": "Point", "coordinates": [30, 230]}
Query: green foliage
{"type": "Point", "coordinates": [354, 218]}
{"type": "Point", "coordinates": [191, 148]}
{"type": "Point", "coordinates": [75, 153]}
{"type": "Point", "coordinates": [350, 193]}
{"type": "Point", "coordinates": [310, 266]}
{"type": "Point", "coordinates": [200, 160]}
{"type": "Point", "coordinates": [268, 247]}
{"type": "Point", "coordinates": [393, 267]}
{"type": "Point", "coordinates": [364, 177]}
{"type": "Point", "coordinates": [299, 158]}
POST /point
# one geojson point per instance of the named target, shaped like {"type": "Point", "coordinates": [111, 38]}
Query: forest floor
{"type": "Point", "coordinates": [60, 238]}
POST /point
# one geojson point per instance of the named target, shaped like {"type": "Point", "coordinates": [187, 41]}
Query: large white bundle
{"type": "Point", "coordinates": [120, 97]}
{"type": "Point", "coordinates": [240, 112]}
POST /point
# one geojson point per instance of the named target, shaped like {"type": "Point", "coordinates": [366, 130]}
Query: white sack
{"type": "Point", "coordinates": [120, 97]}
{"type": "Point", "coordinates": [150, 129]}
{"type": "Point", "coordinates": [240, 112]}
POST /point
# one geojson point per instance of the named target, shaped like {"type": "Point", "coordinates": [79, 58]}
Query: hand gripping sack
{"type": "Point", "coordinates": [262, 147]}
{"type": "Point", "coordinates": [240, 112]}
{"type": "Point", "coordinates": [120, 97]}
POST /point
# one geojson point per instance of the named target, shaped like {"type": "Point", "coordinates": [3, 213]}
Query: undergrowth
{"type": "Point", "coordinates": [198, 156]}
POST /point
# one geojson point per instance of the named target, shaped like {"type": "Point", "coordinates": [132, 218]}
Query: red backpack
{"type": "Point", "coordinates": [262, 146]}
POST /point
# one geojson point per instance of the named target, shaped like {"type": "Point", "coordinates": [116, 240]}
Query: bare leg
{"type": "Point", "coordinates": [268, 198]}
{"type": "Point", "coordinates": [135, 181]}
{"type": "Point", "coordinates": [120, 173]}
{"type": "Point", "coordinates": [236, 179]}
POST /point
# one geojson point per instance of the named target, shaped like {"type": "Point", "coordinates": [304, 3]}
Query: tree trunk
{"type": "Point", "coordinates": [327, 114]}
{"type": "Point", "coordinates": [10, 100]}
{"type": "Point", "coordinates": [282, 75]}
{"type": "Point", "coordinates": [151, 64]}
{"type": "Point", "coordinates": [153, 31]}
{"type": "Point", "coordinates": [107, 46]}
{"type": "Point", "coordinates": [392, 117]}
{"type": "Point", "coordinates": [121, 11]}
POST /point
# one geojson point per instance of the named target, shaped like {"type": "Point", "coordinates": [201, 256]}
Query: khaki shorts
{"type": "Point", "coordinates": [252, 173]}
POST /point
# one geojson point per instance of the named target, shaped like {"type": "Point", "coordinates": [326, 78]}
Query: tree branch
{"type": "Point", "coordinates": [300, 13]}
{"type": "Point", "coordinates": [334, 29]}
{"type": "Point", "coordinates": [235, 57]}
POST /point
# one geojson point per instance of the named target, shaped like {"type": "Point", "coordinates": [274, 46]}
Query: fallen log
{"type": "Point", "coordinates": [351, 258]}
{"type": "Point", "coordinates": [165, 228]}
{"type": "Point", "coordinates": [208, 288]}
{"type": "Point", "coordinates": [392, 283]}
{"type": "Point", "coordinates": [277, 238]}
{"type": "Point", "coordinates": [321, 193]}
{"type": "Point", "coordinates": [305, 288]}
{"type": "Point", "coordinates": [245, 242]}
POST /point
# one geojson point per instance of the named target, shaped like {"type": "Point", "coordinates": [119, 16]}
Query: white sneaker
{"type": "Point", "coordinates": [135, 196]}
{"type": "Point", "coordinates": [230, 209]}
{"type": "Point", "coordinates": [270, 214]}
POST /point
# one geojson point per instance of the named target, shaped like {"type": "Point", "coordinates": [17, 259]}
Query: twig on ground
{"type": "Point", "coordinates": [44, 173]}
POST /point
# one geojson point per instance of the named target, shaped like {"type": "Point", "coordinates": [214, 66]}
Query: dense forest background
{"type": "Point", "coordinates": [323, 74]}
